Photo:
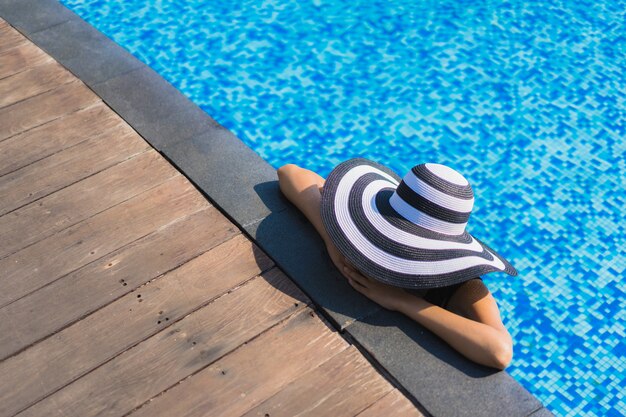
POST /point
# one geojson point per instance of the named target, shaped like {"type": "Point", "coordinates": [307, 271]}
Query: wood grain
{"type": "Point", "coordinates": [121, 287]}
{"type": "Point", "coordinates": [18, 57]}
{"type": "Point", "coordinates": [99, 283]}
{"type": "Point", "coordinates": [252, 373]}
{"type": "Point", "coordinates": [392, 404]}
{"type": "Point", "coordinates": [82, 200]}
{"type": "Point", "coordinates": [33, 81]}
{"type": "Point", "coordinates": [156, 364]}
{"type": "Point", "coordinates": [80, 348]}
{"type": "Point", "coordinates": [45, 107]}
{"type": "Point", "coordinates": [38, 143]}
{"type": "Point", "coordinates": [343, 386]}
{"type": "Point", "coordinates": [48, 175]}
{"type": "Point", "coordinates": [9, 37]}
{"type": "Point", "coordinates": [53, 257]}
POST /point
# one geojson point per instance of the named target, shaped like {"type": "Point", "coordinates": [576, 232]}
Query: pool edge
{"type": "Point", "coordinates": [244, 187]}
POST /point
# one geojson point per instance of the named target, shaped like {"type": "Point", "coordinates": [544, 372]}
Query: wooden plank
{"type": "Point", "coordinates": [343, 386]}
{"type": "Point", "coordinates": [45, 107]}
{"type": "Point", "coordinates": [252, 373]}
{"type": "Point", "coordinates": [53, 257]}
{"type": "Point", "coordinates": [392, 404]}
{"type": "Point", "coordinates": [50, 138]}
{"type": "Point", "coordinates": [80, 293]}
{"type": "Point", "coordinates": [152, 366]}
{"type": "Point", "coordinates": [44, 177]}
{"type": "Point", "coordinates": [82, 200]}
{"type": "Point", "coordinates": [9, 37]}
{"type": "Point", "coordinates": [33, 81]}
{"type": "Point", "coordinates": [80, 348]}
{"type": "Point", "coordinates": [18, 58]}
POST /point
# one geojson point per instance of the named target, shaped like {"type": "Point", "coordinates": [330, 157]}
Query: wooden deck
{"type": "Point", "coordinates": [124, 292]}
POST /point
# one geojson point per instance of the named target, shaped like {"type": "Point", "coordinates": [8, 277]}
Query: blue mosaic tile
{"type": "Point", "coordinates": [526, 99]}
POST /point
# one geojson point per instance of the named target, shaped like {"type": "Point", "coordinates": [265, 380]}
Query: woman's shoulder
{"type": "Point", "coordinates": [465, 299]}
{"type": "Point", "coordinates": [466, 291]}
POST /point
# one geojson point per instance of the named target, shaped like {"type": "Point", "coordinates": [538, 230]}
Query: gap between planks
{"type": "Point", "coordinates": [255, 336]}
{"type": "Point", "coordinates": [65, 168]}
{"type": "Point", "coordinates": [342, 386]}
{"type": "Point", "coordinates": [10, 37]}
{"type": "Point", "coordinates": [82, 200]}
{"type": "Point", "coordinates": [394, 403]}
{"type": "Point", "coordinates": [32, 82]}
{"type": "Point", "coordinates": [127, 321]}
{"type": "Point", "coordinates": [20, 57]}
{"type": "Point", "coordinates": [258, 368]}
{"type": "Point", "coordinates": [68, 250]}
{"type": "Point", "coordinates": [45, 107]}
{"type": "Point", "coordinates": [55, 136]}
{"type": "Point", "coordinates": [194, 342]}
{"type": "Point", "coordinates": [96, 284]}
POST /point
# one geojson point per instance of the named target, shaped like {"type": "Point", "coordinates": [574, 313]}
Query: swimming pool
{"type": "Point", "coordinates": [526, 99]}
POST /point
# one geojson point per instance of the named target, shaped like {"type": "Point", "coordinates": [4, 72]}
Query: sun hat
{"type": "Point", "coordinates": [407, 232]}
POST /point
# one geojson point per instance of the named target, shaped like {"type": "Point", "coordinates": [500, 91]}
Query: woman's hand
{"type": "Point", "coordinates": [387, 296]}
{"type": "Point", "coordinates": [482, 339]}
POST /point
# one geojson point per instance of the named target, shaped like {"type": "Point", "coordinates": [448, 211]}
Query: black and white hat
{"type": "Point", "coordinates": [406, 232]}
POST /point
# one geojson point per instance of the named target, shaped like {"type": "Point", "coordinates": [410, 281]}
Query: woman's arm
{"type": "Point", "coordinates": [485, 341]}
{"type": "Point", "coordinates": [302, 187]}
{"type": "Point", "coordinates": [479, 335]}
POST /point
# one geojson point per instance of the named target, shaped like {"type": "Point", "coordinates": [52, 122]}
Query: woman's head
{"type": "Point", "coordinates": [408, 232]}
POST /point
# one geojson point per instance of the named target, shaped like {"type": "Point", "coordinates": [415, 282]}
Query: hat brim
{"type": "Point", "coordinates": [383, 245]}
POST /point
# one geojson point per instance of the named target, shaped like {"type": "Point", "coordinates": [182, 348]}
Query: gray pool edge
{"type": "Point", "coordinates": [243, 186]}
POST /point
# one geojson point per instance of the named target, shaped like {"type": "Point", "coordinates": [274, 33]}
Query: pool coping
{"type": "Point", "coordinates": [244, 187]}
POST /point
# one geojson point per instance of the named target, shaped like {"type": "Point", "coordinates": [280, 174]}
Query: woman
{"type": "Point", "coordinates": [403, 244]}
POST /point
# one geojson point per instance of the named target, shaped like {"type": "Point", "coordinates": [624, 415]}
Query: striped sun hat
{"type": "Point", "coordinates": [406, 232]}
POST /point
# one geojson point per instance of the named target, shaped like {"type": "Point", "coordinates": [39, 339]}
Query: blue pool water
{"type": "Point", "coordinates": [526, 98]}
